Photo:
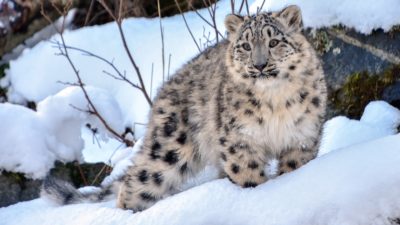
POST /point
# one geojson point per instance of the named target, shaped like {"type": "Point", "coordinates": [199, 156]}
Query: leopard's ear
{"type": "Point", "coordinates": [232, 24]}
{"type": "Point", "coordinates": [291, 18]}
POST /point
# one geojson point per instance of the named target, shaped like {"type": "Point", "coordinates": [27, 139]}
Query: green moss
{"type": "Point", "coordinates": [17, 177]}
{"type": "Point", "coordinates": [321, 42]}
{"type": "Point", "coordinates": [361, 88]}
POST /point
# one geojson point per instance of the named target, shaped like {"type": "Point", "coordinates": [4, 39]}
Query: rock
{"type": "Point", "coordinates": [392, 94]}
{"type": "Point", "coordinates": [14, 187]}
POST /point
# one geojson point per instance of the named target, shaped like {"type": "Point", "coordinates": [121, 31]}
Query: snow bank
{"type": "Point", "coordinates": [356, 185]}
{"type": "Point", "coordinates": [378, 120]}
{"type": "Point", "coordinates": [24, 146]}
{"type": "Point", "coordinates": [31, 141]}
{"type": "Point", "coordinates": [362, 15]}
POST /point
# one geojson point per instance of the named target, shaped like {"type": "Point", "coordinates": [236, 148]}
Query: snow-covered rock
{"type": "Point", "coordinates": [378, 120]}
{"type": "Point", "coordinates": [31, 141]}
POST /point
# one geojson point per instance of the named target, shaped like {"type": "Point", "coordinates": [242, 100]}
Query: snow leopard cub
{"type": "Point", "coordinates": [257, 96]}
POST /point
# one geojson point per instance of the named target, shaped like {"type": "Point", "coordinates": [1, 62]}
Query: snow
{"type": "Point", "coordinates": [362, 15]}
{"type": "Point", "coordinates": [378, 120]}
{"type": "Point", "coordinates": [355, 185]}
{"type": "Point", "coordinates": [31, 141]}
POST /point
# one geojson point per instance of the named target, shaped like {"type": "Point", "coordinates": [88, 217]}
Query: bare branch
{"type": "Point", "coordinates": [162, 43]}
{"type": "Point", "coordinates": [205, 20]}
{"type": "Point", "coordinates": [187, 26]}
{"type": "Point", "coordinates": [247, 7]}
{"type": "Point", "coordinates": [260, 8]}
{"type": "Point", "coordinates": [89, 12]}
{"type": "Point", "coordinates": [91, 107]}
{"type": "Point", "coordinates": [169, 65]}
{"type": "Point", "coordinates": [128, 52]}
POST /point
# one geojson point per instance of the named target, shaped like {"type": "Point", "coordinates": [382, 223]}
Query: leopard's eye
{"type": "Point", "coordinates": [246, 46]}
{"type": "Point", "coordinates": [273, 43]}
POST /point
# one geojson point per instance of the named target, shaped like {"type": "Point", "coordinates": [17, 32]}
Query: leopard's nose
{"type": "Point", "coordinates": [260, 67]}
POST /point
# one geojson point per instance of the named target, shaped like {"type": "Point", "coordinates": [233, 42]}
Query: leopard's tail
{"type": "Point", "coordinates": [63, 193]}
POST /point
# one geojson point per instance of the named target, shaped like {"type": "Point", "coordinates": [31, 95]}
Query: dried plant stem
{"type": "Point", "coordinates": [187, 26]}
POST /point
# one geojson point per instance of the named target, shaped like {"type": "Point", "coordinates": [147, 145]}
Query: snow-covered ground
{"type": "Point", "coordinates": [356, 184]}
{"type": "Point", "coordinates": [354, 181]}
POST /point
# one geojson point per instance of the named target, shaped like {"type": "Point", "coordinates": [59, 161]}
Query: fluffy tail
{"type": "Point", "coordinates": [63, 193]}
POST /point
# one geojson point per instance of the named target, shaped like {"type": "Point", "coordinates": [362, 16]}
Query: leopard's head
{"type": "Point", "coordinates": [264, 45]}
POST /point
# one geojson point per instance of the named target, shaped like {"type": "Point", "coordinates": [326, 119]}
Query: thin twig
{"type": "Point", "coordinates": [151, 80]}
{"type": "Point", "coordinates": [247, 7]}
{"type": "Point", "coordinates": [169, 65]}
{"type": "Point", "coordinates": [232, 6]}
{"type": "Point", "coordinates": [260, 8]}
{"type": "Point", "coordinates": [162, 42]}
{"type": "Point", "coordinates": [120, 76]}
{"type": "Point", "coordinates": [187, 26]}
{"type": "Point", "coordinates": [89, 12]}
{"type": "Point", "coordinates": [64, 51]}
{"type": "Point", "coordinates": [118, 20]}
{"type": "Point", "coordinates": [205, 20]}
{"type": "Point", "coordinates": [213, 15]}
{"type": "Point", "coordinates": [241, 7]}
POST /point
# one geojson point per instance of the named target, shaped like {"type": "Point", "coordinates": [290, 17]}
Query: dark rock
{"type": "Point", "coordinates": [392, 94]}
{"type": "Point", "coordinates": [14, 187]}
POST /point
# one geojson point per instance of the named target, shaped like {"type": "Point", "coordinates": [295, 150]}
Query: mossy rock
{"type": "Point", "coordinates": [361, 88]}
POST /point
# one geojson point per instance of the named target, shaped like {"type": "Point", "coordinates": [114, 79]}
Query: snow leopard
{"type": "Point", "coordinates": [259, 95]}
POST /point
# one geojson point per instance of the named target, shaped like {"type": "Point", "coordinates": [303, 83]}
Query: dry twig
{"type": "Point", "coordinates": [64, 52]}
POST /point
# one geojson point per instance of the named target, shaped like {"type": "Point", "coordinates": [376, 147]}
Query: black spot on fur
{"type": "Point", "coordinates": [158, 178]}
{"type": "Point", "coordinates": [286, 75]}
{"type": "Point", "coordinates": [232, 150]}
{"type": "Point", "coordinates": [183, 168]}
{"type": "Point", "coordinates": [315, 101]}
{"type": "Point", "coordinates": [255, 102]}
{"type": "Point", "coordinates": [262, 174]}
{"type": "Point", "coordinates": [160, 111]}
{"type": "Point", "coordinates": [292, 164]}
{"type": "Point", "coordinates": [222, 141]}
{"type": "Point", "coordinates": [147, 197]}
{"type": "Point", "coordinates": [232, 121]}
{"type": "Point", "coordinates": [237, 105]}
{"type": "Point", "coordinates": [249, 93]}
{"type": "Point", "coordinates": [253, 165]}
{"type": "Point", "coordinates": [171, 157]}
{"type": "Point", "coordinates": [303, 95]}
{"type": "Point", "coordinates": [288, 104]}
{"type": "Point", "coordinates": [182, 138]}
{"type": "Point", "coordinates": [223, 156]}
{"type": "Point", "coordinates": [155, 150]}
{"type": "Point", "coordinates": [185, 116]}
{"type": "Point", "coordinates": [143, 176]}
{"type": "Point", "coordinates": [235, 168]}
{"type": "Point", "coordinates": [248, 112]}
{"type": "Point", "coordinates": [292, 67]}
{"type": "Point", "coordinates": [171, 125]}
{"type": "Point", "coordinates": [231, 180]}
{"type": "Point", "coordinates": [249, 184]}
{"type": "Point", "coordinates": [260, 120]}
